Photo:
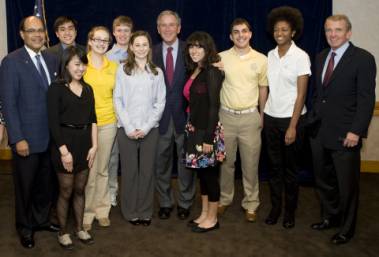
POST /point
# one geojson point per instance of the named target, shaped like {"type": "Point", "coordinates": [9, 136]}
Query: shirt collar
{"type": "Point", "coordinates": [290, 51]}
{"type": "Point", "coordinates": [341, 50]}
{"type": "Point", "coordinates": [174, 46]}
{"type": "Point", "coordinates": [64, 46]}
{"type": "Point", "coordinates": [118, 49]}
{"type": "Point", "coordinates": [235, 52]}
{"type": "Point", "coordinates": [31, 53]}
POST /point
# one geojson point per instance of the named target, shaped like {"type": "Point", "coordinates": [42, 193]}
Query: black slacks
{"type": "Point", "coordinates": [209, 182]}
{"type": "Point", "coordinates": [337, 182]}
{"type": "Point", "coordinates": [33, 187]}
{"type": "Point", "coordinates": [283, 162]}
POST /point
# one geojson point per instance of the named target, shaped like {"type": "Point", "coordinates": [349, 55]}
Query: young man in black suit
{"type": "Point", "coordinates": [66, 29]}
{"type": "Point", "coordinates": [343, 105]}
{"type": "Point", "coordinates": [169, 56]}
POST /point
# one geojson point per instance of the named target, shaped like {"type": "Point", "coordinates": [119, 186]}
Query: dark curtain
{"type": "Point", "coordinates": [213, 16]}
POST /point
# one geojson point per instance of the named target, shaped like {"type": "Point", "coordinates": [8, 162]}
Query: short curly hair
{"type": "Point", "coordinates": [288, 14]}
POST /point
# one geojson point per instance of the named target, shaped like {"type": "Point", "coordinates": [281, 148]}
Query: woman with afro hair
{"type": "Point", "coordinates": [288, 73]}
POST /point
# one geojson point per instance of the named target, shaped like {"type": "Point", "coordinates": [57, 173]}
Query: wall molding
{"type": "Point", "coordinates": [5, 154]}
{"type": "Point", "coordinates": [376, 110]}
{"type": "Point", "coordinates": [370, 166]}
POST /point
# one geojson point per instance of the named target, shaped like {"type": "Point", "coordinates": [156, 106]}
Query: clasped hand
{"type": "Point", "coordinates": [136, 134]}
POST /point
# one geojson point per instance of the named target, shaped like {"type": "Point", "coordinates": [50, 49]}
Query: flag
{"type": "Point", "coordinates": [39, 11]}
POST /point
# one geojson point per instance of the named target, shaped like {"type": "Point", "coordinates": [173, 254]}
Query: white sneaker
{"type": "Point", "coordinates": [84, 237]}
{"type": "Point", "coordinates": [114, 200]}
{"type": "Point", "coordinates": [65, 241]}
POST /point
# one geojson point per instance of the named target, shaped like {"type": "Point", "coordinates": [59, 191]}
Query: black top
{"type": "Point", "coordinates": [1, 116]}
{"type": "Point", "coordinates": [205, 101]}
{"type": "Point", "coordinates": [65, 107]}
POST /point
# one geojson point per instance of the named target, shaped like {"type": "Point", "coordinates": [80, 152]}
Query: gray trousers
{"type": "Point", "coordinates": [137, 174]}
{"type": "Point", "coordinates": [164, 161]}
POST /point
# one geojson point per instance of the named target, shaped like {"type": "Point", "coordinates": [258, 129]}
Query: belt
{"type": "Point", "coordinates": [72, 126]}
{"type": "Point", "coordinates": [249, 110]}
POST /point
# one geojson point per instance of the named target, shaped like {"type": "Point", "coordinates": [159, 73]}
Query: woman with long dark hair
{"type": "Point", "coordinates": [202, 90]}
{"type": "Point", "coordinates": [72, 122]}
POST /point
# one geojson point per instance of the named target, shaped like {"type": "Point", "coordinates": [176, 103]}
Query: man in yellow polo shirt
{"type": "Point", "coordinates": [244, 89]}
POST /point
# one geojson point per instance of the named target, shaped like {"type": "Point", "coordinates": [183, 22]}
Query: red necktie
{"type": "Point", "coordinates": [329, 70]}
{"type": "Point", "coordinates": [169, 66]}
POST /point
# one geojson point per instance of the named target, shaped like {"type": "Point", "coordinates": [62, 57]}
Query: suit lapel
{"type": "Point", "coordinates": [27, 60]}
{"type": "Point", "coordinates": [50, 66]}
{"type": "Point", "coordinates": [321, 64]}
{"type": "Point", "coordinates": [342, 63]}
{"type": "Point", "coordinates": [178, 63]}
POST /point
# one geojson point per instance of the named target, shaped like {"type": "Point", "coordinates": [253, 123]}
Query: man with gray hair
{"type": "Point", "coordinates": [169, 56]}
{"type": "Point", "coordinates": [343, 104]}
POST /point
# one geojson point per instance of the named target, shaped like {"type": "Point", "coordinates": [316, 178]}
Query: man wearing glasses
{"type": "Point", "coordinates": [25, 75]}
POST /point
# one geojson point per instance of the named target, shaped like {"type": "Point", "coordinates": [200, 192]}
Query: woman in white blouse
{"type": "Point", "coordinates": [288, 73]}
{"type": "Point", "coordinates": [139, 99]}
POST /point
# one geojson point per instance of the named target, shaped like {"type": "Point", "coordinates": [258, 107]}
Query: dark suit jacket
{"type": "Point", "coordinates": [57, 50]}
{"type": "Point", "coordinates": [174, 95]}
{"type": "Point", "coordinates": [24, 99]}
{"type": "Point", "coordinates": [346, 104]}
{"type": "Point", "coordinates": [205, 101]}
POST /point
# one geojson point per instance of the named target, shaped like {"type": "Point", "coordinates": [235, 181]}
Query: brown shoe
{"type": "Point", "coordinates": [104, 222]}
{"type": "Point", "coordinates": [251, 216]}
{"type": "Point", "coordinates": [221, 209]}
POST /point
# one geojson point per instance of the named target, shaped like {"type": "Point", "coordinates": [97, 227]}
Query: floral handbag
{"type": "Point", "coordinates": [193, 148]}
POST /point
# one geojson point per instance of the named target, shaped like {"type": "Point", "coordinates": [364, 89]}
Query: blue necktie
{"type": "Point", "coordinates": [42, 72]}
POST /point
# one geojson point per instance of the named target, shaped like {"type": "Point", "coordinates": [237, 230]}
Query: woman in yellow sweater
{"type": "Point", "coordinates": [100, 75]}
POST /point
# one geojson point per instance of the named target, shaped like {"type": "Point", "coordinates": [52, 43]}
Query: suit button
{"type": "Point", "coordinates": [323, 101]}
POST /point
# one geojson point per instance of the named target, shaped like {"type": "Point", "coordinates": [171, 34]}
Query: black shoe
{"type": "Point", "coordinates": [339, 239]}
{"type": "Point", "coordinates": [164, 213]}
{"type": "Point", "coordinates": [183, 213]}
{"type": "Point", "coordinates": [288, 220]}
{"type": "Point", "coordinates": [288, 223]}
{"type": "Point", "coordinates": [198, 229]}
{"type": "Point", "coordinates": [323, 225]}
{"type": "Point", "coordinates": [27, 241]}
{"type": "Point", "coordinates": [135, 222]}
{"type": "Point", "coordinates": [50, 228]}
{"type": "Point", "coordinates": [192, 224]}
{"type": "Point", "coordinates": [145, 222]}
{"type": "Point", "coordinates": [272, 218]}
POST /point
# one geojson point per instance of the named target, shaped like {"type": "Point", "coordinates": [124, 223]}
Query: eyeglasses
{"type": "Point", "coordinates": [33, 31]}
{"type": "Point", "coordinates": [99, 40]}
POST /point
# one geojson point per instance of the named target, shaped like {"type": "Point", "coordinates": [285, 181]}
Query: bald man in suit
{"type": "Point", "coordinates": [25, 75]}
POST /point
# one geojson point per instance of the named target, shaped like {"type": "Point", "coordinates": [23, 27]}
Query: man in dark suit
{"type": "Point", "coordinates": [25, 75]}
{"type": "Point", "coordinates": [66, 29]}
{"type": "Point", "coordinates": [343, 105]}
{"type": "Point", "coordinates": [169, 56]}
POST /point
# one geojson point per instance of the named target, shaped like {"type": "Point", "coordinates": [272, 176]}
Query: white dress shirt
{"type": "Point", "coordinates": [139, 99]}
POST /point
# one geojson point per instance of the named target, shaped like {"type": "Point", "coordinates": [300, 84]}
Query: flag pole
{"type": "Point", "coordinates": [44, 20]}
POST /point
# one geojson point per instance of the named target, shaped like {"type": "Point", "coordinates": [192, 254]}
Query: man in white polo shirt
{"type": "Point", "coordinates": [243, 90]}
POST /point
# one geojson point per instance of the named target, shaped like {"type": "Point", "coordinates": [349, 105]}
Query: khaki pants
{"type": "Point", "coordinates": [97, 203]}
{"type": "Point", "coordinates": [242, 131]}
